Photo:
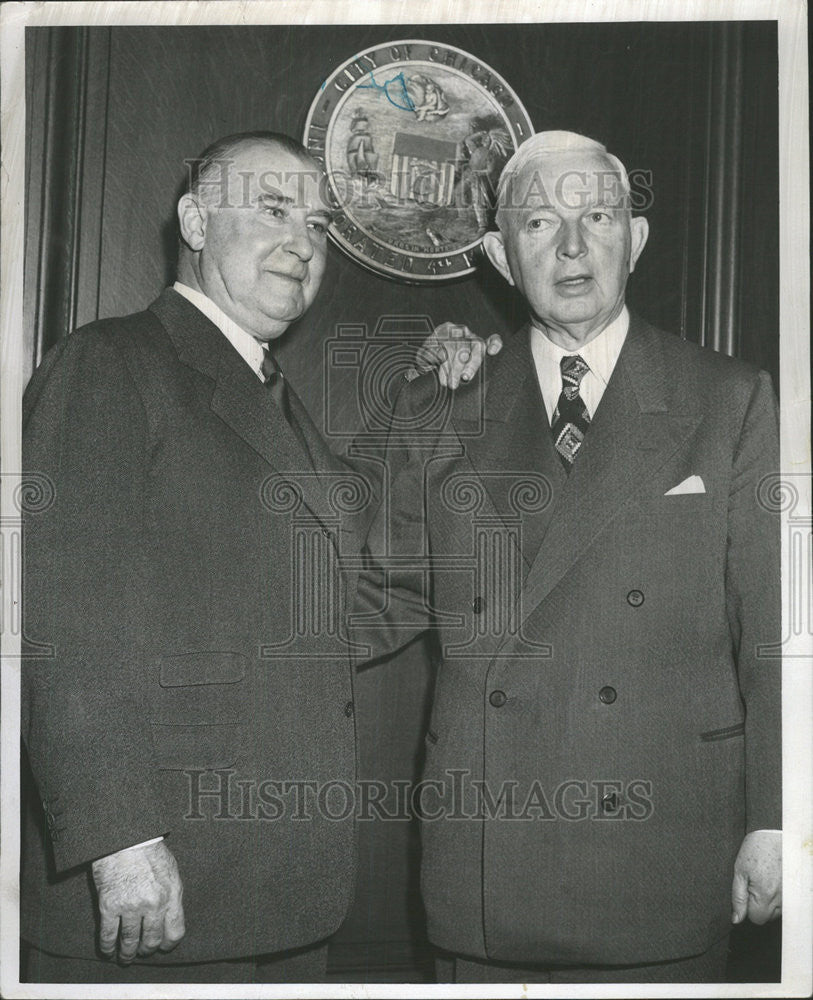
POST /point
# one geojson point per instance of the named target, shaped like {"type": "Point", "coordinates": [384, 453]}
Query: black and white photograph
{"type": "Point", "coordinates": [405, 523]}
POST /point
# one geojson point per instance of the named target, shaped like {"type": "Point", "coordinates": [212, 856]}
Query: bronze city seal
{"type": "Point", "coordinates": [413, 136]}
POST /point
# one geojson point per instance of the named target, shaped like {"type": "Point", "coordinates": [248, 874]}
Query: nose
{"type": "Point", "coordinates": [571, 242]}
{"type": "Point", "coordinates": [299, 241]}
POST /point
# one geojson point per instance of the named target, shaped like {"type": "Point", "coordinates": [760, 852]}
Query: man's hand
{"type": "Point", "coordinates": [455, 352]}
{"type": "Point", "coordinates": [757, 889]}
{"type": "Point", "coordinates": [141, 889]}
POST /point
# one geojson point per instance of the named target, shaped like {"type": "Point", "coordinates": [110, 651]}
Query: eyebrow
{"type": "Point", "coordinates": [276, 199]}
{"type": "Point", "coordinates": [282, 199]}
{"type": "Point", "coordinates": [598, 207]}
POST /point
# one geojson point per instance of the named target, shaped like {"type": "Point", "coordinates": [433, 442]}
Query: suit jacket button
{"type": "Point", "coordinates": [52, 827]}
{"type": "Point", "coordinates": [497, 698]}
{"type": "Point", "coordinates": [348, 709]}
{"type": "Point", "coordinates": [477, 605]}
{"type": "Point", "coordinates": [635, 598]}
{"type": "Point", "coordinates": [608, 695]}
{"type": "Point", "coordinates": [609, 803]}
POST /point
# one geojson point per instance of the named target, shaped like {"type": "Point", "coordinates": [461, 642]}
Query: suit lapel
{"type": "Point", "coordinates": [632, 435]}
{"type": "Point", "coordinates": [240, 399]}
{"type": "Point", "coordinates": [515, 443]}
{"type": "Point", "coordinates": [340, 489]}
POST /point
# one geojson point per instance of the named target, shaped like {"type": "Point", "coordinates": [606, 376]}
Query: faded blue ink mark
{"type": "Point", "coordinates": [324, 85]}
{"type": "Point", "coordinates": [384, 88]}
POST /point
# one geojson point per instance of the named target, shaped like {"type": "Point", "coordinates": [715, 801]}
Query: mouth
{"type": "Point", "coordinates": [297, 277]}
{"type": "Point", "coordinates": [574, 284]}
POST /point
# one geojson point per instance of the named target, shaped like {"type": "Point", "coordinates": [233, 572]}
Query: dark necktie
{"type": "Point", "coordinates": [571, 418]}
{"type": "Point", "coordinates": [278, 387]}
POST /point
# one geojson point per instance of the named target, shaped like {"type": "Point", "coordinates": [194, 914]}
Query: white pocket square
{"type": "Point", "coordinates": [694, 484]}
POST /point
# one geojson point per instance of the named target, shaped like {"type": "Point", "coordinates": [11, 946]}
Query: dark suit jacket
{"type": "Point", "coordinates": [600, 649]}
{"type": "Point", "coordinates": [183, 658]}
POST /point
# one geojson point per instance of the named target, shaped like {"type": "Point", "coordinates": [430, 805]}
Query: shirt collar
{"type": "Point", "coordinates": [601, 353]}
{"type": "Point", "coordinates": [249, 348]}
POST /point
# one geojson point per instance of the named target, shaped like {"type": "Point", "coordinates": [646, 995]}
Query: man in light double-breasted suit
{"type": "Point", "coordinates": [603, 767]}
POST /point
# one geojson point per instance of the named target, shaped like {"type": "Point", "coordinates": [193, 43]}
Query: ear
{"type": "Point", "coordinates": [639, 231]}
{"type": "Point", "coordinates": [192, 221]}
{"type": "Point", "coordinates": [494, 246]}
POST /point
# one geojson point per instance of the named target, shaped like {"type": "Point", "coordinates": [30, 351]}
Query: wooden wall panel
{"type": "Point", "coordinates": [66, 98]}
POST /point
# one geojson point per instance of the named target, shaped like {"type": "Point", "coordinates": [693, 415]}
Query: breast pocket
{"type": "Point", "coordinates": [678, 504]}
{"type": "Point", "coordinates": [198, 711]}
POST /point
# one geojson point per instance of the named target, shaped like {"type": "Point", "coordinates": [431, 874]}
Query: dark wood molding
{"type": "Point", "coordinates": [723, 190]}
{"type": "Point", "coordinates": [66, 92]}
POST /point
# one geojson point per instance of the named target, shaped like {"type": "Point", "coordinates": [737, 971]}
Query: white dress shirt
{"type": "Point", "coordinates": [601, 354]}
{"type": "Point", "coordinates": [249, 348]}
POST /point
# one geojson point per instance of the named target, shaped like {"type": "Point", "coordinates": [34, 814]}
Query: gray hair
{"type": "Point", "coordinates": [209, 165]}
{"type": "Point", "coordinates": [552, 143]}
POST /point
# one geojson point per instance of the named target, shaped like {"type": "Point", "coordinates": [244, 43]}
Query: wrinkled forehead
{"type": "Point", "coordinates": [566, 181]}
{"type": "Point", "coordinates": [263, 170]}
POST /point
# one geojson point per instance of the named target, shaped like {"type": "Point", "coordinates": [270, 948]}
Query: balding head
{"type": "Point", "coordinates": [209, 173]}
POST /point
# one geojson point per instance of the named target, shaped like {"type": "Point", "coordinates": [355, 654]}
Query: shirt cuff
{"type": "Point", "coordinates": [145, 843]}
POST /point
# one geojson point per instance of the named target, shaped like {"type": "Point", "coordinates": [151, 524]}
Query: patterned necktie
{"type": "Point", "coordinates": [571, 418]}
{"type": "Point", "coordinates": [275, 380]}
{"type": "Point", "coordinates": [278, 387]}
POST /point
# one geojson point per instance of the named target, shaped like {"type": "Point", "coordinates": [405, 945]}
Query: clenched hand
{"type": "Point", "coordinates": [140, 895]}
{"type": "Point", "coordinates": [456, 352]}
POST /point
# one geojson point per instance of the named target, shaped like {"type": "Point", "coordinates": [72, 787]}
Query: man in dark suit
{"type": "Point", "coordinates": [179, 712]}
{"type": "Point", "coordinates": [603, 758]}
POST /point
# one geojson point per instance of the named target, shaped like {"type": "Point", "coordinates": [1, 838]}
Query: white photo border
{"type": "Point", "coordinates": [791, 16]}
